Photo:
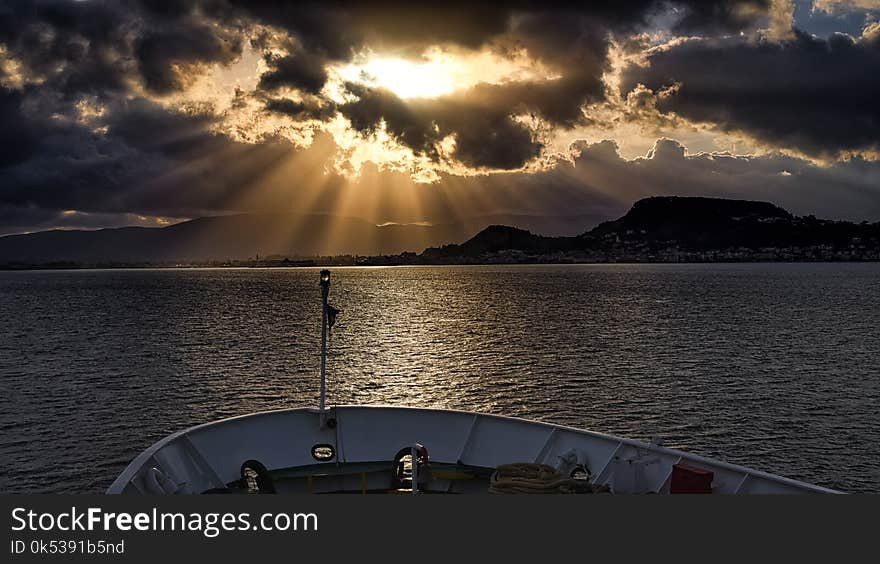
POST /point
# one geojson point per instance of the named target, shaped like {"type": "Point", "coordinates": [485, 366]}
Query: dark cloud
{"type": "Point", "coordinates": [408, 126]}
{"type": "Point", "coordinates": [99, 47]}
{"type": "Point", "coordinates": [170, 9]}
{"type": "Point", "coordinates": [483, 119]}
{"type": "Point", "coordinates": [71, 47]}
{"type": "Point", "coordinates": [17, 139]}
{"type": "Point", "coordinates": [816, 95]}
{"type": "Point", "coordinates": [306, 109]}
{"type": "Point", "coordinates": [486, 134]}
{"type": "Point", "coordinates": [323, 28]}
{"type": "Point", "coordinates": [725, 17]}
{"type": "Point", "coordinates": [150, 128]}
{"type": "Point", "coordinates": [167, 54]}
{"type": "Point", "coordinates": [302, 71]}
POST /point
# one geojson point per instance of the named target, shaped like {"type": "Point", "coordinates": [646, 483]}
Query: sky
{"type": "Point", "coordinates": [147, 112]}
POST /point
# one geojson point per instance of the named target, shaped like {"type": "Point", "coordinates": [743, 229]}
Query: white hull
{"type": "Point", "coordinates": [365, 440]}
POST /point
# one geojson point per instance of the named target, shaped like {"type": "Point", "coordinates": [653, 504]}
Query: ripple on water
{"type": "Point", "coordinates": [772, 366]}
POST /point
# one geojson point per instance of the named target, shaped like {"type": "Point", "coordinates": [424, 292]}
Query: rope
{"type": "Point", "coordinates": [525, 477]}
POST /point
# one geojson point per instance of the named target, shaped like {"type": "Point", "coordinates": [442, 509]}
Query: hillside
{"type": "Point", "coordinates": [672, 229]}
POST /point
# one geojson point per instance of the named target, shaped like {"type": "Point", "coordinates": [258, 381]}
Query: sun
{"type": "Point", "coordinates": [408, 79]}
{"type": "Point", "coordinates": [438, 72]}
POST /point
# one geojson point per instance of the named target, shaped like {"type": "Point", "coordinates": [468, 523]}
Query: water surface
{"type": "Point", "coordinates": [775, 366]}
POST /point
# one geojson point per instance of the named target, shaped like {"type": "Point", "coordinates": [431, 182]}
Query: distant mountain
{"type": "Point", "coordinates": [224, 238]}
{"type": "Point", "coordinates": [692, 219]}
{"type": "Point", "coordinates": [497, 237]}
{"type": "Point", "coordinates": [701, 224]}
{"type": "Point", "coordinates": [667, 228]}
{"type": "Point", "coordinates": [553, 226]}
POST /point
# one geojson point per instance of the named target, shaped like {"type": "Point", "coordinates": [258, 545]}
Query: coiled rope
{"type": "Point", "coordinates": [526, 477]}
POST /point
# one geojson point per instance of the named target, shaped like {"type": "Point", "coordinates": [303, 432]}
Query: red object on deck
{"type": "Point", "coordinates": [690, 480]}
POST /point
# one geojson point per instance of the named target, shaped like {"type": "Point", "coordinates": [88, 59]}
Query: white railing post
{"type": "Point", "coordinates": [414, 453]}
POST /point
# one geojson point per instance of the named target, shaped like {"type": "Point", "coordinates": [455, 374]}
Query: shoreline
{"type": "Point", "coordinates": [54, 267]}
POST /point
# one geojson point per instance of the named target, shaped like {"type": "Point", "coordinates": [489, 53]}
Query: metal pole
{"type": "Point", "coordinates": [414, 453]}
{"type": "Point", "coordinates": [325, 290]}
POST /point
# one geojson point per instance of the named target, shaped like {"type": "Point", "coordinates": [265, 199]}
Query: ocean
{"type": "Point", "coordinates": [774, 366]}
